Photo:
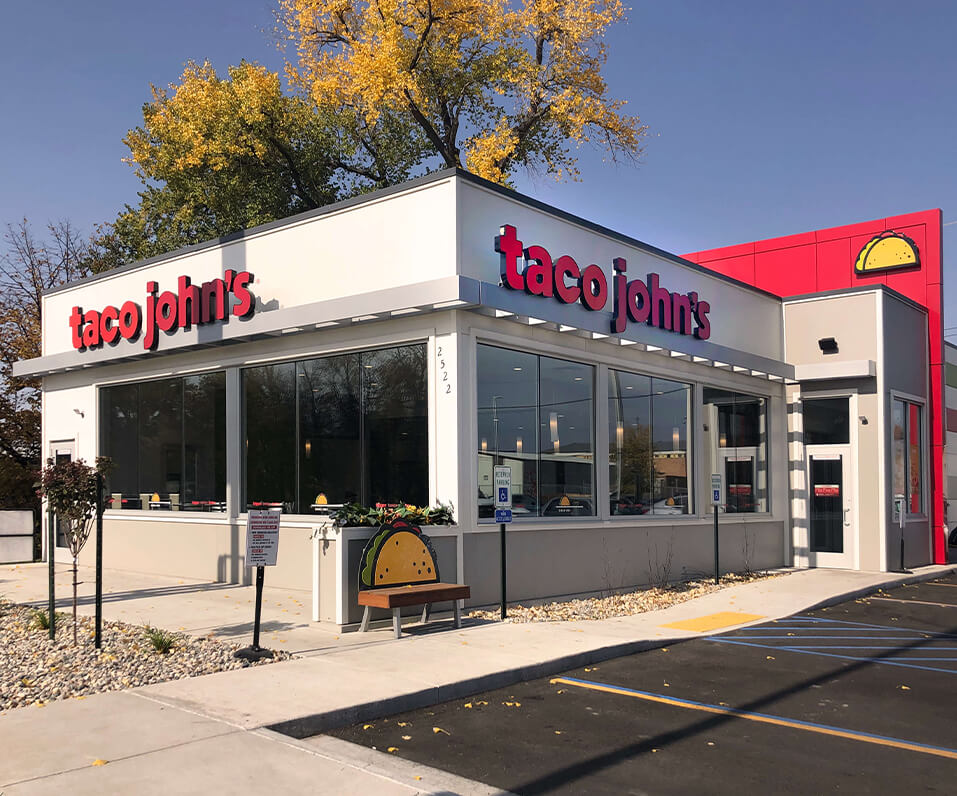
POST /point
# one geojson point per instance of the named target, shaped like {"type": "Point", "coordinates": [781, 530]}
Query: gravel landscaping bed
{"type": "Point", "coordinates": [621, 604]}
{"type": "Point", "coordinates": [35, 670]}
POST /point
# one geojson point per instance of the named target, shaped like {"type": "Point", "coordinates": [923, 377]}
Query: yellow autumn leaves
{"type": "Point", "coordinates": [504, 85]}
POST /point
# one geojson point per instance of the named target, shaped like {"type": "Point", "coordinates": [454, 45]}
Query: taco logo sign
{"type": "Point", "coordinates": [885, 252]}
{"type": "Point", "coordinates": [635, 300]}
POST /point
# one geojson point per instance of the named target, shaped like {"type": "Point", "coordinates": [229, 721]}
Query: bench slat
{"type": "Point", "coordinates": [421, 594]}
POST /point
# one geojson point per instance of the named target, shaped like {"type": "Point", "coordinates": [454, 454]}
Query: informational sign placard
{"type": "Point", "coordinates": [503, 486]}
{"type": "Point", "coordinates": [503, 515]}
{"type": "Point", "coordinates": [262, 537]}
{"type": "Point", "coordinates": [715, 489]}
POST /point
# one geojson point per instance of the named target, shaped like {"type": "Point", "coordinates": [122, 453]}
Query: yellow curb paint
{"type": "Point", "coordinates": [702, 624]}
{"type": "Point", "coordinates": [763, 719]}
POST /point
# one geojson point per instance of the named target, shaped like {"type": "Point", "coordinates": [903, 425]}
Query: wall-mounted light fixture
{"type": "Point", "coordinates": [828, 345]}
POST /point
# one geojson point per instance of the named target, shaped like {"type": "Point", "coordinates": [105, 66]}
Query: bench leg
{"type": "Point", "coordinates": [365, 620]}
{"type": "Point", "coordinates": [396, 623]}
{"type": "Point", "coordinates": [456, 614]}
{"type": "Point", "coordinates": [426, 611]}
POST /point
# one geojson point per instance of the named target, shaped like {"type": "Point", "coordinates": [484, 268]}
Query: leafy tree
{"type": "Point", "coordinates": [217, 155]}
{"type": "Point", "coordinates": [28, 266]}
{"type": "Point", "coordinates": [507, 87]}
{"type": "Point", "coordinates": [70, 488]}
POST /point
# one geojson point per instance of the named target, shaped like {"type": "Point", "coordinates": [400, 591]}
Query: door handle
{"type": "Point", "coordinates": [846, 523]}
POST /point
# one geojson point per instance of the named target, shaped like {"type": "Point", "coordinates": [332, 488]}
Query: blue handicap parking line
{"type": "Point", "coordinates": [902, 664]}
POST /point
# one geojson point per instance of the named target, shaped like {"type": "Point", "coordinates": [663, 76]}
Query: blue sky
{"type": "Point", "coordinates": [766, 118]}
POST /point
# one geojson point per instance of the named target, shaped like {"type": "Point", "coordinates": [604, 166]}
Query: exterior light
{"type": "Point", "coordinates": [828, 345]}
{"type": "Point", "coordinates": [518, 444]}
{"type": "Point", "coordinates": [308, 448]}
{"type": "Point", "coordinates": [484, 444]}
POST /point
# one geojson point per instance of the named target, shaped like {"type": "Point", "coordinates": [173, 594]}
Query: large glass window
{"type": "Point", "coordinates": [536, 414]}
{"type": "Point", "coordinates": [736, 433]}
{"type": "Point", "coordinates": [167, 440]}
{"type": "Point", "coordinates": [826, 421]}
{"type": "Point", "coordinates": [648, 444]}
{"type": "Point", "coordinates": [908, 466]}
{"type": "Point", "coordinates": [349, 428]}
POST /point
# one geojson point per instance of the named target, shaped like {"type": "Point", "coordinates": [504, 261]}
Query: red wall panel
{"type": "Point", "coordinates": [823, 260]}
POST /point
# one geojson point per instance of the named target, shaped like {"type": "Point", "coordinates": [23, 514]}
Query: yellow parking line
{"type": "Point", "coordinates": [807, 726]}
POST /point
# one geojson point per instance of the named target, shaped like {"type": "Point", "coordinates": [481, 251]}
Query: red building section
{"type": "Point", "coordinates": [825, 260]}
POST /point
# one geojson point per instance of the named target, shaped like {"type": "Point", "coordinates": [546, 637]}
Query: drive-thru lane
{"type": "Point", "coordinates": [856, 698]}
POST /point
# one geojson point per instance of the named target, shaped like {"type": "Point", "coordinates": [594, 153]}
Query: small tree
{"type": "Point", "coordinates": [71, 490]}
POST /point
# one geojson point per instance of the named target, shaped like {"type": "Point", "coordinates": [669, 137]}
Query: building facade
{"type": "Point", "coordinates": [396, 347]}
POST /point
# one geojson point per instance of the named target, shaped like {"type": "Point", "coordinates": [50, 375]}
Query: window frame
{"type": "Point", "coordinates": [548, 353]}
{"type": "Point", "coordinates": [295, 360]}
{"type": "Point", "coordinates": [696, 391]}
{"type": "Point", "coordinates": [908, 399]}
{"type": "Point", "coordinates": [167, 515]}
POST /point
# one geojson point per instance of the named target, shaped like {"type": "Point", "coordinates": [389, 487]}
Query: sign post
{"type": "Point", "coordinates": [716, 501]}
{"type": "Point", "coordinates": [900, 507]}
{"type": "Point", "coordinates": [262, 548]}
{"type": "Point", "coordinates": [503, 513]}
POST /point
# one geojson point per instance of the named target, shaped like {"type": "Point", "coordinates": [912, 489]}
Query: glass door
{"type": "Point", "coordinates": [831, 520]}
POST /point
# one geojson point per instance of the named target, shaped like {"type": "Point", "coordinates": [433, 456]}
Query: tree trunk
{"type": "Point", "coordinates": [74, 599]}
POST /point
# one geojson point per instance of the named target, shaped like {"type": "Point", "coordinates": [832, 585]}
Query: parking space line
{"type": "Point", "coordinates": [902, 664]}
{"type": "Point", "coordinates": [913, 602]}
{"type": "Point", "coordinates": [892, 628]}
{"type": "Point", "coordinates": [764, 718]}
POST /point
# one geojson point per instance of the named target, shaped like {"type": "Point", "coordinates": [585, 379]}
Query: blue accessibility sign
{"type": "Point", "coordinates": [503, 515]}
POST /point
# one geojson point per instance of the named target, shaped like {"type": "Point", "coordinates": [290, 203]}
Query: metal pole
{"type": "Point", "coordinates": [502, 535]}
{"type": "Point", "coordinates": [717, 572]}
{"type": "Point", "coordinates": [259, 606]}
{"type": "Point", "coordinates": [98, 633]}
{"type": "Point", "coordinates": [51, 546]}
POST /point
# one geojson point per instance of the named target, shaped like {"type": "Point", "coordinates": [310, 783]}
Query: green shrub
{"type": "Point", "coordinates": [40, 620]}
{"type": "Point", "coordinates": [162, 640]}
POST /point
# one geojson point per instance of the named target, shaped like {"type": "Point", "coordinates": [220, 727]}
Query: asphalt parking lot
{"type": "Point", "coordinates": [856, 698]}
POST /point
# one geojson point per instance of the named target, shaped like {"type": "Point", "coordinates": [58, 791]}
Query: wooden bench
{"type": "Point", "coordinates": [423, 594]}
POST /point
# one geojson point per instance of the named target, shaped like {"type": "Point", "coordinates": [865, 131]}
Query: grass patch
{"type": "Point", "coordinates": [40, 620]}
{"type": "Point", "coordinates": [162, 640]}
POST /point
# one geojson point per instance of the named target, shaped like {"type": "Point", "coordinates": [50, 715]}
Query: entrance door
{"type": "Point", "coordinates": [63, 451]}
{"type": "Point", "coordinates": [832, 524]}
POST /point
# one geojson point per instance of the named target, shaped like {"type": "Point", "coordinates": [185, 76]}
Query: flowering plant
{"type": "Point", "coordinates": [352, 514]}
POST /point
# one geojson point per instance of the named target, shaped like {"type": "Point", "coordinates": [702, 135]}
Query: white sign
{"type": "Point", "coordinates": [715, 489]}
{"type": "Point", "coordinates": [503, 486]}
{"type": "Point", "coordinates": [262, 537]}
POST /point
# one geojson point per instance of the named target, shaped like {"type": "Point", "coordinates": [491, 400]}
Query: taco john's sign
{"type": "Point", "coordinates": [635, 300]}
{"type": "Point", "coordinates": [165, 312]}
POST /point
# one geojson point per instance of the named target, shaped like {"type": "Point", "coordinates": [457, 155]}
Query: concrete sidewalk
{"type": "Point", "coordinates": [217, 731]}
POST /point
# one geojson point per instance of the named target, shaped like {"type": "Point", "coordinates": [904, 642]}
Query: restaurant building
{"type": "Point", "coordinates": [397, 346]}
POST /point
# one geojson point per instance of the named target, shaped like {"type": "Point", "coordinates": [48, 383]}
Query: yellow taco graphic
{"type": "Point", "coordinates": [886, 251]}
{"type": "Point", "coordinates": [399, 554]}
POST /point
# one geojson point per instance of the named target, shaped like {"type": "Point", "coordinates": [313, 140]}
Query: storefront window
{"type": "Point", "coordinates": [167, 440]}
{"type": "Point", "coordinates": [536, 415]}
{"type": "Point", "coordinates": [906, 447]}
{"type": "Point", "coordinates": [736, 443]}
{"type": "Point", "coordinates": [341, 429]}
{"type": "Point", "coordinates": [648, 443]}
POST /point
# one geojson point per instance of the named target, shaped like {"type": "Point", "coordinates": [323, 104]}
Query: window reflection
{"type": "Point", "coordinates": [648, 421]}
{"type": "Point", "coordinates": [348, 428]}
{"type": "Point", "coordinates": [167, 440]}
{"type": "Point", "coordinates": [737, 447]}
{"type": "Point", "coordinates": [535, 414]}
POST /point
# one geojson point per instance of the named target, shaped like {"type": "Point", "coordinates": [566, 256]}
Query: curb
{"type": "Point", "coordinates": [316, 723]}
